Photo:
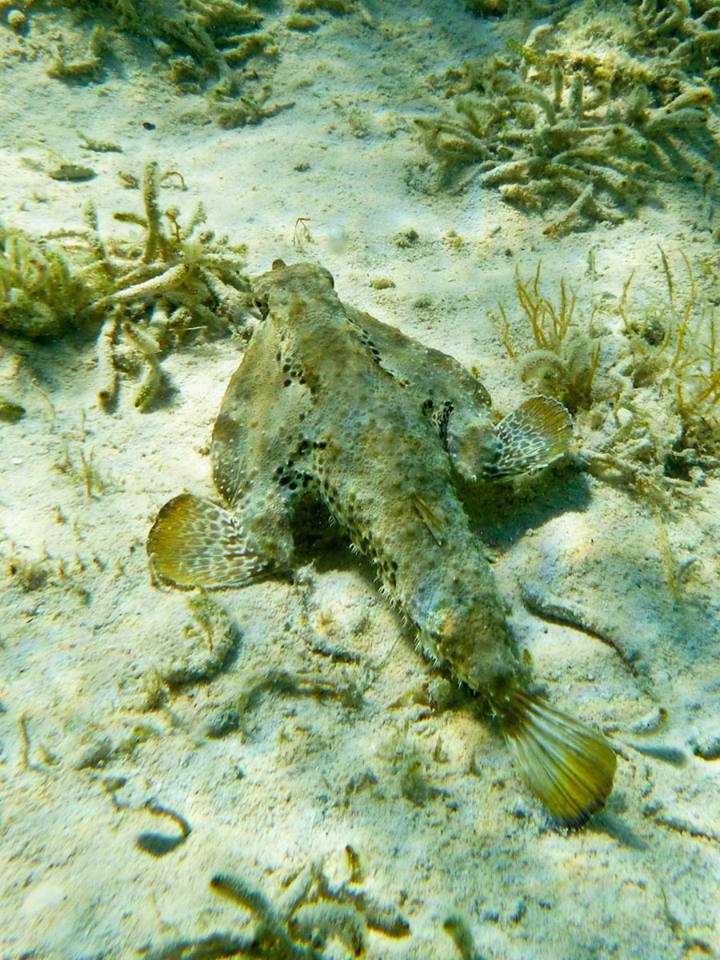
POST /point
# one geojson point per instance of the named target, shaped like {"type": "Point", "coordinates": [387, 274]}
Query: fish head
{"type": "Point", "coordinates": [472, 442]}
{"type": "Point", "coordinates": [286, 284]}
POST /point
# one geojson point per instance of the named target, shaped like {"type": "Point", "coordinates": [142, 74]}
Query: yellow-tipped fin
{"type": "Point", "coordinates": [531, 437]}
{"type": "Point", "coordinates": [196, 543]}
{"type": "Point", "coordinates": [569, 767]}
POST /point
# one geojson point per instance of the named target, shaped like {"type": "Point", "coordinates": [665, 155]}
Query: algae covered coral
{"type": "Point", "coordinates": [141, 295]}
{"type": "Point", "coordinates": [213, 34]}
{"type": "Point", "coordinates": [312, 919]}
{"type": "Point", "coordinates": [214, 47]}
{"type": "Point", "coordinates": [642, 379]}
{"type": "Point", "coordinates": [225, 50]}
{"type": "Point", "coordinates": [687, 32]}
{"type": "Point", "coordinates": [582, 114]}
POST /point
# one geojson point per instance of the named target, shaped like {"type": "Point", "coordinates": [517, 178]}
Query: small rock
{"type": "Point", "coordinates": [16, 19]}
{"type": "Point", "coordinates": [707, 746]}
{"type": "Point", "coordinates": [10, 412]}
{"type": "Point", "coordinates": [406, 238]}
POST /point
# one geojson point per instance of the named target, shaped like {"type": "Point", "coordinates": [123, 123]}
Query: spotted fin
{"type": "Point", "coordinates": [531, 437]}
{"type": "Point", "coordinates": [568, 766]}
{"type": "Point", "coordinates": [196, 543]}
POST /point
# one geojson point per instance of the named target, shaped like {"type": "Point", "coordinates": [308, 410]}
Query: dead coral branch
{"type": "Point", "coordinates": [596, 130]}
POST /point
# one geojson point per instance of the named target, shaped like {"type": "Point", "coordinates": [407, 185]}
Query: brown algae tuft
{"type": "Point", "coordinates": [42, 293]}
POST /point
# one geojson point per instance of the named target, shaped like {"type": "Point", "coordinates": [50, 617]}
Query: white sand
{"type": "Point", "coordinates": [307, 777]}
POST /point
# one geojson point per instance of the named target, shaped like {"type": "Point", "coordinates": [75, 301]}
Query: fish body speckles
{"type": "Point", "coordinates": [349, 413]}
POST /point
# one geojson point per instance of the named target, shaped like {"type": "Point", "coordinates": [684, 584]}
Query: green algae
{"type": "Point", "coordinates": [42, 292]}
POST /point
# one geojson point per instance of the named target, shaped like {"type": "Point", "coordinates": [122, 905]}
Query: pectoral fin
{"type": "Point", "coordinates": [531, 437]}
{"type": "Point", "coordinates": [196, 543]}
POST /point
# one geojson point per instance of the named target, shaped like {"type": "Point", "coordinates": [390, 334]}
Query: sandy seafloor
{"type": "Point", "coordinates": [308, 776]}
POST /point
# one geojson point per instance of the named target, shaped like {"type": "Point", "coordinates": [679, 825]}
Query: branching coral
{"type": "Point", "coordinates": [87, 67]}
{"type": "Point", "coordinates": [540, 142]}
{"type": "Point", "coordinates": [216, 45]}
{"type": "Point", "coordinates": [232, 109]}
{"type": "Point", "coordinates": [687, 33]}
{"type": "Point", "coordinates": [310, 921]}
{"type": "Point", "coordinates": [212, 32]}
{"type": "Point", "coordinates": [145, 294]}
{"type": "Point", "coordinates": [574, 115]}
{"type": "Point", "coordinates": [175, 282]}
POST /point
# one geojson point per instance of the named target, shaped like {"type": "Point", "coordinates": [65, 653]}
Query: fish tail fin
{"type": "Point", "coordinates": [569, 767]}
{"type": "Point", "coordinates": [196, 543]}
{"type": "Point", "coordinates": [531, 437]}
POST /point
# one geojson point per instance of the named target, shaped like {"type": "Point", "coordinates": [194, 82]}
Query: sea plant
{"type": "Point", "coordinates": [675, 349]}
{"type": "Point", "coordinates": [141, 294]}
{"type": "Point", "coordinates": [576, 115]}
{"type": "Point", "coordinates": [643, 382]}
{"type": "Point", "coordinates": [562, 357]}
{"type": "Point", "coordinates": [42, 292]}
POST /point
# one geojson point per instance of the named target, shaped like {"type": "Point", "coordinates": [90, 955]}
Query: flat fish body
{"type": "Point", "coordinates": [332, 405]}
{"type": "Point", "coordinates": [330, 400]}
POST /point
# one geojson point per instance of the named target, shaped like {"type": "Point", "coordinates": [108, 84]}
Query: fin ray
{"type": "Point", "coordinates": [569, 767]}
{"type": "Point", "coordinates": [531, 437]}
{"type": "Point", "coordinates": [196, 543]}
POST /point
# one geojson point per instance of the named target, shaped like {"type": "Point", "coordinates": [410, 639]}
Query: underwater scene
{"type": "Point", "coordinates": [360, 459]}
